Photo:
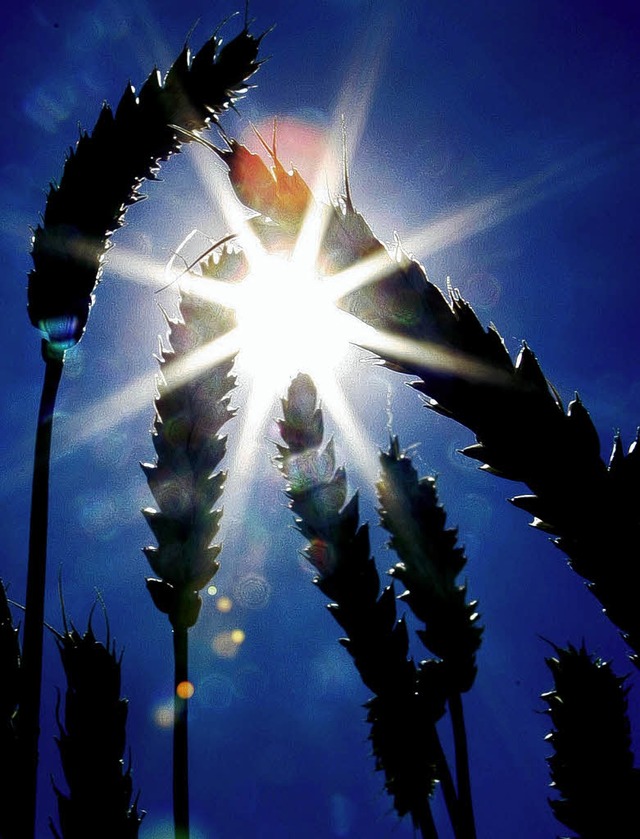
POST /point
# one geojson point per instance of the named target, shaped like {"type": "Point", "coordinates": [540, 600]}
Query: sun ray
{"type": "Point", "coordinates": [479, 216]}
{"type": "Point", "coordinates": [106, 414]}
{"type": "Point", "coordinates": [422, 353]}
{"type": "Point", "coordinates": [361, 446]}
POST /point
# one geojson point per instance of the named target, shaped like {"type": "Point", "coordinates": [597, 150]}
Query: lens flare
{"type": "Point", "coordinates": [185, 690]}
{"type": "Point", "coordinates": [224, 604]}
{"type": "Point", "coordinates": [227, 644]}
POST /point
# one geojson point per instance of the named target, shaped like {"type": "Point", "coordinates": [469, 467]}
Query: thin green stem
{"type": "Point", "coordinates": [462, 767]}
{"type": "Point", "coordinates": [31, 668]}
{"type": "Point", "coordinates": [180, 733]}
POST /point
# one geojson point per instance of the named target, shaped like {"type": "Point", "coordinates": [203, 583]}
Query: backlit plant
{"type": "Point", "coordinates": [465, 373]}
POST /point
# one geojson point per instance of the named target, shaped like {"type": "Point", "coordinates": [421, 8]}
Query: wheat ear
{"type": "Point", "coordinates": [91, 741]}
{"type": "Point", "coordinates": [191, 407]}
{"type": "Point", "coordinates": [592, 765]}
{"type": "Point", "coordinates": [100, 180]}
{"type": "Point", "coordinates": [525, 434]}
{"type": "Point", "coordinates": [103, 174]}
{"type": "Point", "coordinates": [408, 701]}
{"type": "Point", "coordinates": [522, 429]}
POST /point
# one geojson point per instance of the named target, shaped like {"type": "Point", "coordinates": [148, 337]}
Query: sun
{"type": "Point", "coordinates": [287, 323]}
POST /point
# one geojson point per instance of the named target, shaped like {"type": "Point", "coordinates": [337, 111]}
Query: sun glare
{"type": "Point", "coordinates": [287, 323]}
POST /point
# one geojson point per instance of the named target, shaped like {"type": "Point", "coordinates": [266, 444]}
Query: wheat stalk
{"type": "Point", "coordinates": [100, 180]}
{"type": "Point", "coordinates": [408, 701]}
{"type": "Point", "coordinates": [191, 407]}
{"type": "Point", "coordinates": [430, 562]}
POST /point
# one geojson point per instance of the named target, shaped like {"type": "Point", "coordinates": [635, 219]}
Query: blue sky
{"type": "Point", "coordinates": [461, 101]}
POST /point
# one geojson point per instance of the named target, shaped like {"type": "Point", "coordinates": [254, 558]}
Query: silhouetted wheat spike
{"type": "Point", "coordinates": [191, 407]}
{"type": "Point", "coordinates": [430, 562]}
{"type": "Point", "coordinates": [10, 791]}
{"type": "Point", "coordinates": [465, 371]}
{"type": "Point", "coordinates": [522, 429]}
{"type": "Point", "coordinates": [103, 174]}
{"type": "Point", "coordinates": [592, 765]}
{"type": "Point", "coordinates": [402, 716]}
{"type": "Point", "coordinates": [524, 434]}
{"type": "Point", "coordinates": [92, 743]}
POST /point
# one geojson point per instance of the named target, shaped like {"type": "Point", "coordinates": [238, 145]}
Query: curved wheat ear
{"type": "Point", "coordinates": [592, 765]}
{"type": "Point", "coordinates": [103, 174]}
{"type": "Point", "coordinates": [522, 429]}
{"type": "Point", "coordinates": [523, 433]}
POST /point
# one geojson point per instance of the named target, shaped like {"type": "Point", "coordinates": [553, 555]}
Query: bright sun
{"type": "Point", "coordinates": [287, 322]}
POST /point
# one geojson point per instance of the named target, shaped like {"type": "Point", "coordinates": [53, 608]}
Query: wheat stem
{"type": "Point", "coordinates": [465, 803]}
{"type": "Point", "coordinates": [446, 781]}
{"type": "Point", "coordinates": [29, 714]}
{"type": "Point", "coordinates": [180, 733]}
{"type": "Point", "coordinates": [423, 819]}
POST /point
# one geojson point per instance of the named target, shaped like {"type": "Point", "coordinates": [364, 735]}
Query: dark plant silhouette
{"type": "Point", "coordinates": [191, 407]}
{"type": "Point", "coordinates": [9, 699]}
{"type": "Point", "coordinates": [466, 373]}
{"type": "Point", "coordinates": [592, 765]}
{"type": "Point", "coordinates": [124, 148]}
{"type": "Point", "coordinates": [92, 740]}
{"type": "Point", "coordinates": [523, 433]}
{"type": "Point", "coordinates": [408, 700]}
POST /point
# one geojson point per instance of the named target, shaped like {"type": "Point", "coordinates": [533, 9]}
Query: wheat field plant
{"type": "Point", "coordinates": [376, 317]}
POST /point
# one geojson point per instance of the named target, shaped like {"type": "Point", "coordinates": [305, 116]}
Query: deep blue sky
{"type": "Point", "coordinates": [469, 99]}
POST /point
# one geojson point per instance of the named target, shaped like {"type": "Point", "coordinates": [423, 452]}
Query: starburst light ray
{"type": "Point", "coordinates": [130, 265]}
{"type": "Point", "coordinates": [287, 322]}
{"type": "Point", "coordinates": [106, 414]}
{"type": "Point", "coordinates": [425, 354]}
{"type": "Point", "coordinates": [360, 83]}
{"type": "Point", "coordinates": [364, 451]}
{"type": "Point", "coordinates": [483, 214]}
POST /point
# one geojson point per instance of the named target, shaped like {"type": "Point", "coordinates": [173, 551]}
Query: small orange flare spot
{"type": "Point", "coordinates": [224, 604]}
{"type": "Point", "coordinates": [185, 690]}
{"type": "Point", "coordinates": [237, 636]}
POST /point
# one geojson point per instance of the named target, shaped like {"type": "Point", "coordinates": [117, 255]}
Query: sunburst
{"type": "Point", "coordinates": [287, 312]}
